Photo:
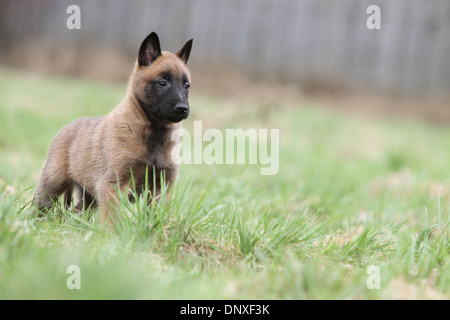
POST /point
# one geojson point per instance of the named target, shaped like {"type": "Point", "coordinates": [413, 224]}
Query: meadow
{"type": "Point", "coordinates": [359, 208]}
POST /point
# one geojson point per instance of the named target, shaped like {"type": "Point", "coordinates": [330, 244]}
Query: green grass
{"type": "Point", "coordinates": [351, 192]}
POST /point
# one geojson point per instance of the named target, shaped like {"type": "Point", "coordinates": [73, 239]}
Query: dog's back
{"type": "Point", "coordinates": [58, 171]}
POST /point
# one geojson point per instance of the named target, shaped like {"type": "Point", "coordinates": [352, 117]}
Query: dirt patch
{"type": "Point", "coordinates": [401, 289]}
{"type": "Point", "coordinates": [231, 84]}
{"type": "Point", "coordinates": [226, 82]}
{"type": "Point", "coordinates": [397, 182]}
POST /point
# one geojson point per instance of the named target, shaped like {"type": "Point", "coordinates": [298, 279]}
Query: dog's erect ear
{"type": "Point", "coordinates": [149, 50]}
{"type": "Point", "coordinates": [184, 52]}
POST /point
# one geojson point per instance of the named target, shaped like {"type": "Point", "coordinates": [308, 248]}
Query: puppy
{"type": "Point", "coordinates": [98, 155]}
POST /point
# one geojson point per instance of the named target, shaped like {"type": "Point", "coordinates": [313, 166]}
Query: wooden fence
{"type": "Point", "coordinates": [305, 41]}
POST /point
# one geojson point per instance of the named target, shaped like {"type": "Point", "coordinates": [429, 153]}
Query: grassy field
{"type": "Point", "coordinates": [358, 210]}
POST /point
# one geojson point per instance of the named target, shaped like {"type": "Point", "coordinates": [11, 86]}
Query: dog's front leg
{"type": "Point", "coordinates": [109, 204]}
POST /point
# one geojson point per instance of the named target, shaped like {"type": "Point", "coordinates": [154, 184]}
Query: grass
{"type": "Point", "coordinates": [351, 193]}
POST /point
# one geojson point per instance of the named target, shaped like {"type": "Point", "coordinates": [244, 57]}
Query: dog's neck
{"type": "Point", "coordinates": [158, 137]}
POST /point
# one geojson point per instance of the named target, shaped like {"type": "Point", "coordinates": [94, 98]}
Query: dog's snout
{"type": "Point", "coordinates": [182, 108]}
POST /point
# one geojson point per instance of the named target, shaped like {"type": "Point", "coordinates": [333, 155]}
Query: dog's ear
{"type": "Point", "coordinates": [184, 52]}
{"type": "Point", "coordinates": [150, 50]}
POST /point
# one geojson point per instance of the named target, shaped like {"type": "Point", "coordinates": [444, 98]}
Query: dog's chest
{"type": "Point", "coordinates": [158, 148]}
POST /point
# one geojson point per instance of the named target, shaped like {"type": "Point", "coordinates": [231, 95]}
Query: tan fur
{"type": "Point", "coordinates": [98, 154]}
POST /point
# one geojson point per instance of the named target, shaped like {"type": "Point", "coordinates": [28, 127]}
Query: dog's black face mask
{"type": "Point", "coordinates": [169, 94]}
{"type": "Point", "coordinates": [164, 90]}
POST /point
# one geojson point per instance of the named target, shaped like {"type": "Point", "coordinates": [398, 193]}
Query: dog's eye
{"type": "Point", "coordinates": [162, 83]}
{"type": "Point", "coordinates": [187, 85]}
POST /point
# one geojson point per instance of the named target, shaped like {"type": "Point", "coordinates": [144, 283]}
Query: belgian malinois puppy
{"type": "Point", "coordinates": [98, 155]}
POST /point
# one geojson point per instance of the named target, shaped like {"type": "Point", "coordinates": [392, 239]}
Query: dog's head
{"type": "Point", "coordinates": [161, 81]}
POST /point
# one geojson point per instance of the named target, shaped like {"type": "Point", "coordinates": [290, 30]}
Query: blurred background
{"type": "Point", "coordinates": [308, 46]}
{"type": "Point", "coordinates": [359, 183]}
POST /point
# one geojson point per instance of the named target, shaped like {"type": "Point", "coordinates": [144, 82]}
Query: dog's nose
{"type": "Point", "coordinates": [181, 108]}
